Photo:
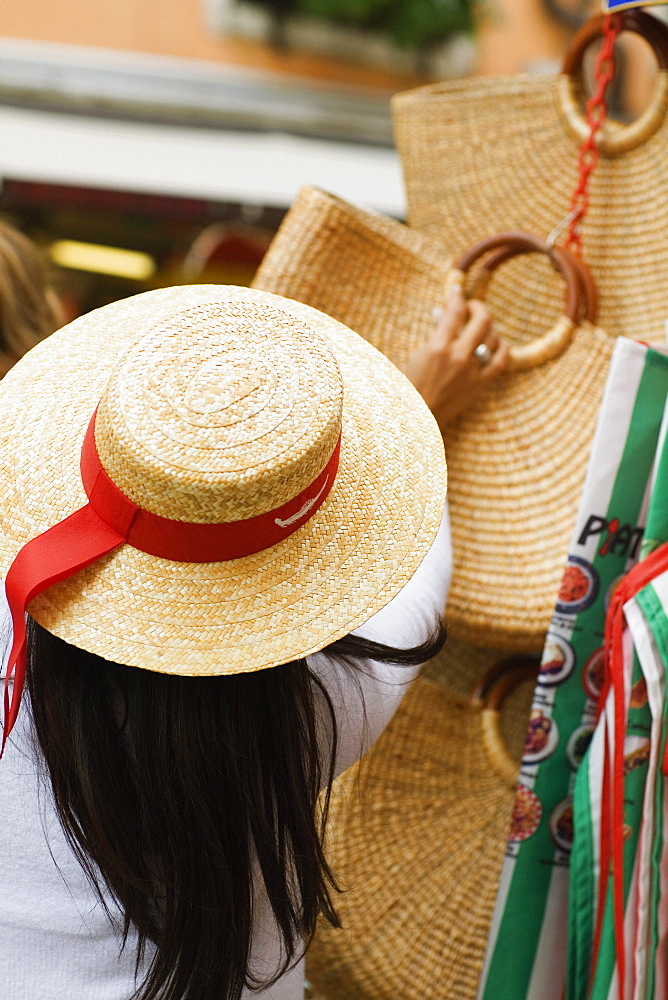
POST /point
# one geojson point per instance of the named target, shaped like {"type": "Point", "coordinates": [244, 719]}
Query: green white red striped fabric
{"type": "Point", "coordinates": [617, 918]}
{"type": "Point", "coordinates": [527, 952]}
{"type": "Point", "coordinates": [628, 911]}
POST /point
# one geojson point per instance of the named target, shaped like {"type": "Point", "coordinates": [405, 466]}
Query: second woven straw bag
{"type": "Point", "coordinates": [492, 153]}
{"type": "Point", "coordinates": [516, 458]}
{"type": "Point", "coordinates": [417, 834]}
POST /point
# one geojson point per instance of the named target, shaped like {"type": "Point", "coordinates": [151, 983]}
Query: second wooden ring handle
{"type": "Point", "coordinates": [648, 27]}
{"type": "Point", "coordinates": [615, 142]}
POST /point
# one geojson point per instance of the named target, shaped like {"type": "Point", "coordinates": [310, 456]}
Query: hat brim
{"type": "Point", "coordinates": [292, 599]}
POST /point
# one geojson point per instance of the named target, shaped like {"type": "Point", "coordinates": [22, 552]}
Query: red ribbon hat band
{"type": "Point", "coordinates": [110, 519]}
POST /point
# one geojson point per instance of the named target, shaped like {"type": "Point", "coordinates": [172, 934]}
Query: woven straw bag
{"type": "Point", "coordinates": [495, 153]}
{"type": "Point", "coordinates": [516, 458]}
{"type": "Point", "coordinates": [417, 835]}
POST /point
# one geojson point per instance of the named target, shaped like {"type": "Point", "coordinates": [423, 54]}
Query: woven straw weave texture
{"type": "Point", "coordinates": [516, 458]}
{"type": "Point", "coordinates": [492, 154]}
{"type": "Point", "coordinates": [220, 403]}
{"type": "Point", "coordinates": [417, 835]}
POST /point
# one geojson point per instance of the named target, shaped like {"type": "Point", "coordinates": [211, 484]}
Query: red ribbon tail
{"type": "Point", "coordinates": [619, 710]}
{"type": "Point", "coordinates": [79, 540]}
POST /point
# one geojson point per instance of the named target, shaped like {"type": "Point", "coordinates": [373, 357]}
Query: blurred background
{"type": "Point", "coordinates": [153, 142]}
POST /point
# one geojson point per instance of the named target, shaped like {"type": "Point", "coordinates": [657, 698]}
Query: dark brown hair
{"type": "Point", "coordinates": [172, 789]}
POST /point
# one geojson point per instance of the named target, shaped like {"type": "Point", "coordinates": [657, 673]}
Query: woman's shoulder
{"type": "Point", "coordinates": [364, 693]}
{"type": "Point", "coordinates": [410, 617]}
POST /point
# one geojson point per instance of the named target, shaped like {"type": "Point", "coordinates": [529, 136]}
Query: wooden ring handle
{"type": "Point", "coordinates": [625, 137]}
{"type": "Point", "coordinates": [495, 685]}
{"type": "Point", "coordinates": [588, 289]}
{"type": "Point", "coordinates": [489, 694]}
{"type": "Point", "coordinates": [650, 28]}
{"type": "Point", "coordinates": [554, 341]}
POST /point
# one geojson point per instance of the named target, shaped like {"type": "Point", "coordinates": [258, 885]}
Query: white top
{"type": "Point", "coordinates": [56, 942]}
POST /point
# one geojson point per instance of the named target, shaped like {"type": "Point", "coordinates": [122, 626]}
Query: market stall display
{"type": "Point", "coordinates": [496, 170]}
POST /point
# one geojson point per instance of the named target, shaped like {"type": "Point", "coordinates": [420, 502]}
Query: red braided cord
{"type": "Point", "coordinates": [596, 114]}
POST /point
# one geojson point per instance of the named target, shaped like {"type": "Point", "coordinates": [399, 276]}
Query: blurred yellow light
{"type": "Point", "coordinates": [102, 259]}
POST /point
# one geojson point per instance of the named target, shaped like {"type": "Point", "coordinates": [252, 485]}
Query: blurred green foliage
{"type": "Point", "coordinates": [409, 23]}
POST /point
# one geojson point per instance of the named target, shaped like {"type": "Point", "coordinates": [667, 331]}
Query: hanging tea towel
{"type": "Point", "coordinates": [526, 956]}
{"type": "Point", "coordinates": [617, 919]}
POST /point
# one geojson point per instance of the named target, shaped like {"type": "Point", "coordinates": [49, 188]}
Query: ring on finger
{"type": "Point", "coordinates": [483, 353]}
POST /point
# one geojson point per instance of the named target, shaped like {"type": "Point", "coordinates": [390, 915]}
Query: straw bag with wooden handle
{"type": "Point", "coordinates": [517, 457]}
{"type": "Point", "coordinates": [417, 834]}
{"type": "Point", "coordinates": [492, 153]}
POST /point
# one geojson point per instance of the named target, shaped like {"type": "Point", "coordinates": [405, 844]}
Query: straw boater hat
{"type": "Point", "coordinates": [230, 480]}
{"type": "Point", "coordinates": [417, 835]}
{"type": "Point", "coordinates": [496, 153]}
{"type": "Point", "coordinates": [517, 456]}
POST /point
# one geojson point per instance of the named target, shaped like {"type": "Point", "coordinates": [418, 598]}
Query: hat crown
{"type": "Point", "coordinates": [222, 412]}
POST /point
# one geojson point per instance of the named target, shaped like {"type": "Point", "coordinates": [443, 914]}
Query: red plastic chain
{"type": "Point", "coordinates": [596, 114]}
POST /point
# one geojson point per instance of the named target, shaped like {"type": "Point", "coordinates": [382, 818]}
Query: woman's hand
{"type": "Point", "coordinates": [446, 370]}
